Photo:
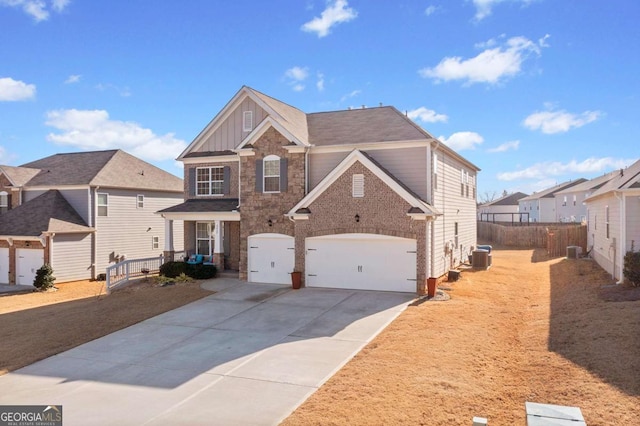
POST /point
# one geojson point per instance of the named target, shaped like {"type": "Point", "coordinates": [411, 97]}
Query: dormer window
{"type": "Point", "coordinates": [247, 121]}
{"type": "Point", "coordinates": [271, 169]}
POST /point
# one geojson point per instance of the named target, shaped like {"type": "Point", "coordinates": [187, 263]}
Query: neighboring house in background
{"type": "Point", "coordinates": [360, 199]}
{"type": "Point", "coordinates": [541, 206]}
{"type": "Point", "coordinates": [81, 212]}
{"type": "Point", "coordinates": [570, 206]}
{"type": "Point", "coordinates": [503, 209]}
{"type": "Point", "coordinates": [613, 218]}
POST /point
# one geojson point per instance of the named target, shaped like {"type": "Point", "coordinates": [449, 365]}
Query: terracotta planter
{"type": "Point", "coordinates": [432, 283]}
{"type": "Point", "coordinates": [296, 280]}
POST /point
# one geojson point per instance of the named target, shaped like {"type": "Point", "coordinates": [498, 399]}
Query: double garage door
{"type": "Point", "coordinates": [349, 261]}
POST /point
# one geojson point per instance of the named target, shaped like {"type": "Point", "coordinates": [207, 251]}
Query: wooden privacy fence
{"type": "Point", "coordinates": [554, 237]}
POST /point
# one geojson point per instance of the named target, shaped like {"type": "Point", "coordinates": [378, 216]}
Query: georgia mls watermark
{"type": "Point", "coordinates": [30, 415]}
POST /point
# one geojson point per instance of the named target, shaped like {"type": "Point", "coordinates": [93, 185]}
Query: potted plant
{"type": "Point", "coordinates": [432, 283]}
{"type": "Point", "coordinates": [296, 280]}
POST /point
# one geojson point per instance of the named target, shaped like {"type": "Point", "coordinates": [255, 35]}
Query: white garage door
{"type": "Point", "coordinates": [271, 258]}
{"type": "Point", "coordinates": [362, 262]}
{"type": "Point", "coordinates": [4, 265]}
{"type": "Point", "coordinates": [28, 261]}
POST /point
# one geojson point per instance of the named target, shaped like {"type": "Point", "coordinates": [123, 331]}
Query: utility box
{"type": "Point", "coordinates": [480, 259]}
{"type": "Point", "coordinates": [573, 252]}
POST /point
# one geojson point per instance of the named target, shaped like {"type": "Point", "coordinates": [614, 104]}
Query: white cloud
{"type": "Point", "coordinates": [335, 13]}
{"type": "Point", "coordinates": [484, 8]}
{"type": "Point", "coordinates": [431, 10]}
{"type": "Point", "coordinates": [461, 141]}
{"type": "Point", "coordinates": [556, 168]}
{"type": "Point", "coordinates": [427, 115]}
{"type": "Point", "coordinates": [491, 66]}
{"type": "Point", "coordinates": [507, 146]}
{"type": "Point", "coordinates": [122, 91]}
{"type": "Point", "coordinates": [37, 9]}
{"type": "Point", "coordinates": [93, 129]}
{"type": "Point", "coordinates": [16, 90]}
{"type": "Point", "coordinates": [320, 82]}
{"type": "Point", "coordinates": [350, 95]}
{"type": "Point", "coordinates": [74, 78]}
{"type": "Point", "coordinates": [295, 76]}
{"type": "Point", "coordinates": [561, 121]}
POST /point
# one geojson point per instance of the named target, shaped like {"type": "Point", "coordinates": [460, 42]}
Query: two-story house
{"type": "Point", "coordinates": [503, 209]}
{"type": "Point", "coordinates": [570, 205]}
{"type": "Point", "coordinates": [359, 199]}
{"type": "Point", "coordinates": [613, 220]}
{"type": "Point", "coordinates": [81, 212]}
{"type": "Point", "coordinates": [541, 206]}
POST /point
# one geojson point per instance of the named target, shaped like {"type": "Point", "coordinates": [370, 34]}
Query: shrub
{"type": "Point", "coordinates": [632, 267]}
{"type": "Point", "coordinates": [201, 272]}
{"type": "Point", "coordinates": [173, 269]}
{"type": "Point", "coordinates": [44, 278]}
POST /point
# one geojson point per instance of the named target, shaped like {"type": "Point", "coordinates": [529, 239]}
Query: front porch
{"type": "Point", "coordinates": [211, 228]}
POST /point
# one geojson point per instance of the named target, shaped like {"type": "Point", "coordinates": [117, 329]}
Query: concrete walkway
{"type": "Point", "coordinates": [10, 288]}
{"type": "Point", "coordinates": [249, 354]}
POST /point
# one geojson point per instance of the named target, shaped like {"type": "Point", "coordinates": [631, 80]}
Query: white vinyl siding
{"type": "Point", "coordinates": [409, 165]}
{"type": "Point", "coordinates": [230, 132]}
{"type": "Point", "coordinates": [71, 257]}
{"type": "Point", "coordinates": [126, 230]}
{"type": "Point", "coordinates": [77, 198]}
{"type": "Point", "coordinates": [456, 208]}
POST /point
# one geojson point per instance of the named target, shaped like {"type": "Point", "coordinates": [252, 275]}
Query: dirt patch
{"type": "Point", "coordinates": [34, 326]}
{"type": "Point", "coordinates": [620, 293]}
{"type": "Point", "coordinates": [528, 329]}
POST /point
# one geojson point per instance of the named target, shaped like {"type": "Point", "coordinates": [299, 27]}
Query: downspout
{"type": "Point", "coordinates": [306, 170]}
{"type": "Point", "coordinates": [432, 223]}
{"type": "Point", "coordinates": [622, 240]}
{"type": "Point", "coordinates": [94, 240]}
{"type": "Point", "coordinates": [239, 177]}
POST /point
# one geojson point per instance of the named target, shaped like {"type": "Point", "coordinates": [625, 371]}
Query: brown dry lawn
{"type": "Point", "coordinates": [34, 326]}
{"type": "Point", "coordinates": [528, 329]}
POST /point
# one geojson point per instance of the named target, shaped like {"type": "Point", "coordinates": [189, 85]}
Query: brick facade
{"type": "Point", "coordinates": [32, 245]}
{"type": "Point", "coordinates": [258, 208]}
{"type": "Point", "coordinates": [381, 211]}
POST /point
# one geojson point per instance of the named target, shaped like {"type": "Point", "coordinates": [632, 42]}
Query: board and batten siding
{"type": "Point", "coordinates": [455, 208]}
{"type": "Point", "coordinates": [409, 165]}
{"type": "Point", "coordinates": [71, 257]}
{"type": "Point", "coordinates": [230, 132]}
{"type": "Point", "coordinates": [128, 230]}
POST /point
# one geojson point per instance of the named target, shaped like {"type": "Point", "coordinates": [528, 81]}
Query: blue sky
{"type": "Point", "coordinates": [534, 92]}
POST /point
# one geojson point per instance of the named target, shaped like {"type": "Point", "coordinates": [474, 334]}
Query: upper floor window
{"type": "Point", "coordinates": [271, 167]}
{"type": "Point", "coordinates": [155, 242]}
{"type": "Point", "coordinates": [4, 202]}
{"type": "Point", "coordinates": [606, 220]}
{"type": "Point", "coordinates": [103, 204]}
{"type": "Point", "coordinates": [435, 171]}
{"type": "Point", "coordinates": [574, 199]}
{"type": "Point", "coordinates": [140, 201]}
{"type": "Point", "coordinates": [247, 121]}
{"type": "Point", "coordinates": [564, 201]}
{"type": "Point", "coordinates": [209, 181]}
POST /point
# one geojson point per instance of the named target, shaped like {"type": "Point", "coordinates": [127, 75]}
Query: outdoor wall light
{"type": "Point", "coordinates": [357, 217]}
{"type": "Point", "coordinates": [270, 222]}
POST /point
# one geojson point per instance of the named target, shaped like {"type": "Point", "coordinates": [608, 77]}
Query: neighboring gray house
{"type": "Point", "coordinates": [361, 199]}
{"type": "Point", "coordinates": [503, 209]}
{"type": "Point", "coordinates": [81, 212]}
{"type": "Point", "coordinates": [541, 206]}
{"type": "Point", "coordinates": [613, 218]}
{"type": "Point", "coordinates": [570, 206]}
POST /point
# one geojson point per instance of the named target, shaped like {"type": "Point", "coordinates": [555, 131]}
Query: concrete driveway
{"type": "Point", "coordinates": [248, 354]}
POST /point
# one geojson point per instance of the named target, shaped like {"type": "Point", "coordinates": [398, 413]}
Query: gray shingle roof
{"type": "Point", "coordinates": [203, 206]}
{"type": "Point", "coordinates": [550, 192]}
{"type": "Point", "coordinates": [623, 179]}
{"type": "Point", "coordinates": [369, 125]}
{"type": "Point", "coordinates": [294, 120]}
{"type": "Point", "coordinates": [49, 212]}
{"type": "Point", "coordinates": [112, 168]}
{"type": "Point", "coordinates": [507, 200]}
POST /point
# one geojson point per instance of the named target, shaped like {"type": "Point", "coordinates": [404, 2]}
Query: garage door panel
{"type": "Point", "coordinates": [271, 258]}
{"type": "Point", "coordinates": [362, 262]}
{"type": "Point", "coordinates": [28, 261]}
{"type": "Point", "coordinates": [4, 265]}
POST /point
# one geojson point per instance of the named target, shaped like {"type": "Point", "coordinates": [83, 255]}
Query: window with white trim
{"type": "Point", "coordinates": [455, 234]}
{"type": "Point", "coordinates": [564, 201]}
{"type": "Point", "coordinates": [247, 121]}
{"type": "Point", "coordinates": [462, 183]}
{"type": "Point", "coordinates": [204, 237]}
{"type": "Point", "coordinates": [606, 220]}
{"type": "Point", "coordinates": [575, 197]}
{"type": "Point", "coordinates": [435, 171]}
{"type": "Point", "coordinates": [271, 169]}
{"type": "Point", "coordinates": [103, 204]}
{"type": "Point", "coordinates": [210, 180]}
{"type": "Point", "coordinates": [155, 242]}
{"type": "Point", "coordinates": [4, 202]}
{"type": "Point", "coordinates": [357, 190]}
{"type": "Point", "coordinates": [140, 201]}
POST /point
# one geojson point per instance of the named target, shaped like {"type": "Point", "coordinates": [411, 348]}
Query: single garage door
{"type": "Point", "coordinates": [4, 265]}
{"type": "Point", "coordinates": [271, 258]}
{"type": "Point", "coordinates": [361, 262]}
{"type": "Point", "coordinates": [28, 261]}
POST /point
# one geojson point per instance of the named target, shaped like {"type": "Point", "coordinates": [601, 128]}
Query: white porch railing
{"type": "Point", "coordinates": [122, 272]}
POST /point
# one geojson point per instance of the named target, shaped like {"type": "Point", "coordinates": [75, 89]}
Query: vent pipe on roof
{"type": "Point", "coordinates": [363, 106]}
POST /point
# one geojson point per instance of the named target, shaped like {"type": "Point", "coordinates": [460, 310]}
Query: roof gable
{"type": "Point", "coordinates": [628, 178]}
{"type": "Point", "coordinates": [550, 192]}
{"type": "Point", "coordinates": [18, 176]}
{"type": "Point", "coordinates": [48, 212]}
{"type": "Point", "coordinates": [366, 161]}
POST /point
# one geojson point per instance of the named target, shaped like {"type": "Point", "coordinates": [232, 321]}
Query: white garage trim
{"type": "Point", "coordinates": [361, 262]}
{"type": "Point", "coordinates": [270, 258]}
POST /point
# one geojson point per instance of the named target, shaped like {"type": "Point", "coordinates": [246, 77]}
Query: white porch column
{"type": "Point", "coordinates": [168, 234]}
{"type": "Point", "coordinates": [218, 252]}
